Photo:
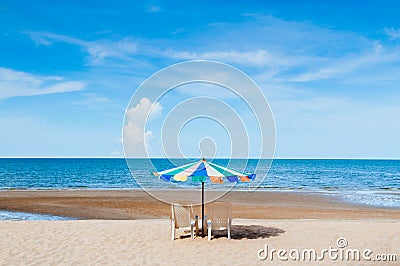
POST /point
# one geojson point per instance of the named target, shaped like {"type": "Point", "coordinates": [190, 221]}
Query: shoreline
{"type": "Point", "coordinates": [129, 204]}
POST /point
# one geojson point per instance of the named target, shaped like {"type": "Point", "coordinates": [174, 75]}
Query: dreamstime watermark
{"type": "Point", "coordinates": [206, 104]}
{"type": "Point", "coordinates": [339, 253]}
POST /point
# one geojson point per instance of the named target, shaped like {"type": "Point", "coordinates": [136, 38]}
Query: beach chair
{"type": "Point", "coordinates": [183, 218]}
{"type": "Point", "coordinates": [219, 218]}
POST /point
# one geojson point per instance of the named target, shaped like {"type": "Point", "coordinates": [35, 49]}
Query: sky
{"type": "Point", "coordinates": [329, 70]}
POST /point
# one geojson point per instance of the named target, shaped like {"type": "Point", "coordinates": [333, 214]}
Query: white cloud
{"type": "Point", "coordinates": [304, 51]}
{"type": "Point", "coordinates": [205, 89]}
{"type": "Point", "coordinates": [333, 68]}
{"type": "Point", "coordinates": [94, 101]}
{"type": "Point", "coordinates": [154, 9]}
{"type": "Point", "coordinates": [98, 49]}
{"type": "Point", "coordinates": [258, 57]}
{"type": "Point", "coordinates": [17, 83]}
{"type": "Point", "coordinates": [393, 34]}
{"type": "Point", "coordinates": [127, 49]}
{"type": "Point", "coordinates": [136, 139]}
{"type": "Point", "coordinates": [336, 68]}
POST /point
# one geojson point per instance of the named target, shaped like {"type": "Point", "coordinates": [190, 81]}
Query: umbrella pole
{"type": "Point", "coordinates": [202, 209]}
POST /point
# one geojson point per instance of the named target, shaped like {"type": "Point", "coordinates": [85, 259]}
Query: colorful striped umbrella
{"type": "Point", "coordinates": [200, 172]}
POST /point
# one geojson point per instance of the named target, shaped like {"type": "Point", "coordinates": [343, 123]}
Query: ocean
{"type": "Point", "coordinates": [18, 216]}
{"type": "Point", "coordinates": [369, 182]}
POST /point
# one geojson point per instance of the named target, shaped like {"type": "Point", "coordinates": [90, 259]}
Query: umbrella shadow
{"type": "Point", "coordinates": [249, 232]}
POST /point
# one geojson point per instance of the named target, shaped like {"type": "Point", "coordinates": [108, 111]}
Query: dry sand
{"type": "Point", "coordinates": [147, 242]}
{"type": "Point", "coordinates": [280, 220]}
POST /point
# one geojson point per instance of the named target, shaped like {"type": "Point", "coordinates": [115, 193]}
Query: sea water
{"type": "Point", "coordinates": [19, 216]}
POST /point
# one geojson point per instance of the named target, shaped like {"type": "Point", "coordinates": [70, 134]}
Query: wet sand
{"type": "Point", "coordinates": [136, 204]}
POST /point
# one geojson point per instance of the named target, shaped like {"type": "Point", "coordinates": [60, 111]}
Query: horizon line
{"type": "Point", "coordinates": [251, 158]}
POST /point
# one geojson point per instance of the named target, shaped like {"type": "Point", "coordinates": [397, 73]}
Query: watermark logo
{"type": "Point", "coordinates": [342, 242]}
{"type": "Point", "coordinates": [339, 253]}
{"type": "Point", "coordinates": [198, 109]}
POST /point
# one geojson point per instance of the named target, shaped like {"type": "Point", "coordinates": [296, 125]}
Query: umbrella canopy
{"type": "Point", "coordinates": [202, 171]}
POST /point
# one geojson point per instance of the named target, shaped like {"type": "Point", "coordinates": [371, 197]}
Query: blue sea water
{"type": "Point", "coordinates": [370, 182]}
{"type": "Point", "coordinates": [19, 216]}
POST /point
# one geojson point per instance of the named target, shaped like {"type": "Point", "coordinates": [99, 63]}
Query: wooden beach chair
{"type": "Point", "coordinates": [219, 218]}
{"type": "Point", "coordinates": [182, 218]}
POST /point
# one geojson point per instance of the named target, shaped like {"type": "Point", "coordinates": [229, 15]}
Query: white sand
{"type": "Point", "coordinates": [147, 242]}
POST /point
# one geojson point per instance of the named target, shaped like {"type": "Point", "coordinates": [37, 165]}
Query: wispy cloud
{"type": "Point", "coordinates": [127, 49]}
{"type": "Point", "coordinates": [392, 33]}
{"type": "Point", "coordinates": [98, 50]}
{"type": "Point", "coordinates": [281, 50]}
{"type": "Point", "coordinates": [17, 83]}
{"type": "Point", "coordinates": [290, 51]}
{"type": "Point", "coordinates": [94, 101]}
{"type": "Point", "coordinates": [252, 58]}
{"type": "Point", "coordinates": [154, 9]}
{"type": "Point", "coordinates": [338, 67]}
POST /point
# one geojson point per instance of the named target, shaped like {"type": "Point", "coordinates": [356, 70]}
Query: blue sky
{"type": "Point", "coordinates": [329, 69]}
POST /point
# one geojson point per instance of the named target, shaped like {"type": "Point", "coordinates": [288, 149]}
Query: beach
{"type": "Point", "coordinates": [112, 112]}
{"type": "Point", "coordinates": [147, 242]}
{"type": "Point", "coordinates": [133, 228]}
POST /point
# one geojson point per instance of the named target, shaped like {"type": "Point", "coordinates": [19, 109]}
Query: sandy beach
{"type": "Point", "coordinates": [147, 242]}
{"type": "Point", "coordinates": [132, 228]}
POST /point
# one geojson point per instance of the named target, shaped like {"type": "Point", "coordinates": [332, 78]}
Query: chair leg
{"type": "Point", "coordinates": [209, 230]}
{"type": "Point", "coordinates": [192, 230]}
{"type": "Point", "coordinates": [229, 230]}
{"type": "Point", "coordinates": [172, 230]}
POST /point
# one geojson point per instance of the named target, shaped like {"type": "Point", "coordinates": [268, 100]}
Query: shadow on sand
{"type": "Point", "coordinates": [249, 232]}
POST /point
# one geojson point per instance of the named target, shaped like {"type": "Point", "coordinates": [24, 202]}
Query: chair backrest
{"type": "Point", "coordinates": [182, 215]}
{"type": "Point", "coordinates": [220, 214]}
